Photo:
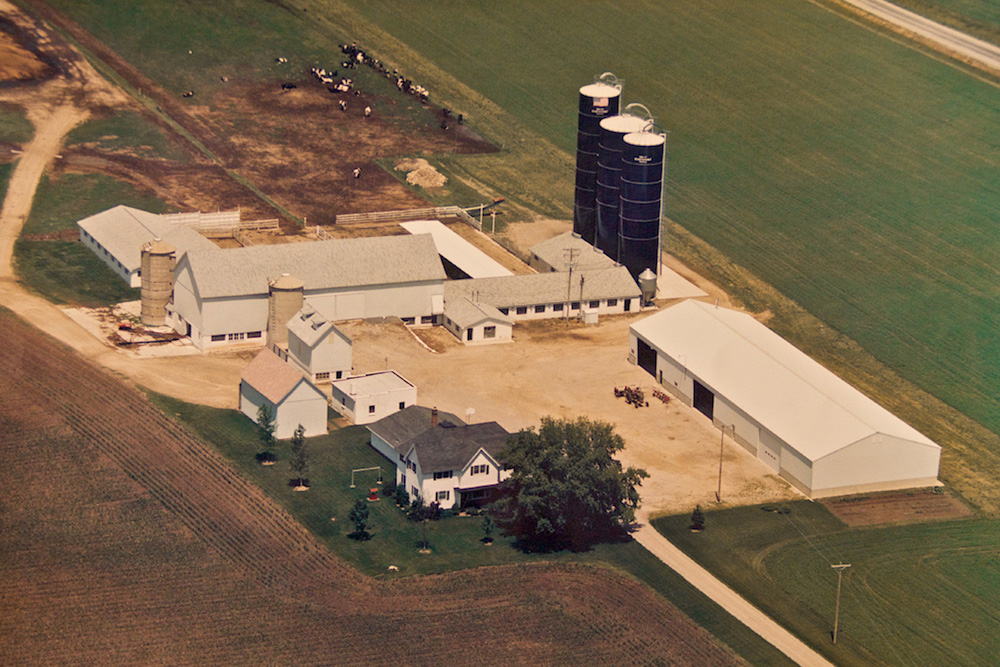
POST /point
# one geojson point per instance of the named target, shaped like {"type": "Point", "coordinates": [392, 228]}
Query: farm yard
{"type": "Point", "coordinates": [865, 192]}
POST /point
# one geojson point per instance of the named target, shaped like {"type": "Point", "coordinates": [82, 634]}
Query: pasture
{"type": "Point", "coordinates": [914, 595]}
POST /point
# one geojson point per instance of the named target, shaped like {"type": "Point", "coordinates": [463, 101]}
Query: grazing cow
{"type": "Point", "coordinates": [357, 173]}
{"type": "Point", "coordinates": [224, 79]}
{"type": "Point", "coordinates": [285, 87]}
{"type": "Point", "coordinates": [368, 111]}
{"type": "Point", "coordinates": [461, 118]}
{"type": "Point", "coordinates": [343, 105]}
{"type": "Point", "coordinates": [189, 93]}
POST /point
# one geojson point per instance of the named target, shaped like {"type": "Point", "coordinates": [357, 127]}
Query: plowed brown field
{"type": "Point", "coordinates": [125, 536]}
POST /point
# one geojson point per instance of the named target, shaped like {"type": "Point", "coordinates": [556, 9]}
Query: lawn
{"type": "Point", "coordinates": [15, 128]}
{"type": "Point", "coordinates": [455, 542]}
{"type": "Point", "coordinates": [65, 271]}
{"type": "Point", "coordinates": [914, 594]}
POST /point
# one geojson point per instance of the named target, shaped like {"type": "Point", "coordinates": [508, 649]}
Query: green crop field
{"type": "Point", "coordinates": [980, 18]}
{"type": "Point", "coordinates": [925, 594]}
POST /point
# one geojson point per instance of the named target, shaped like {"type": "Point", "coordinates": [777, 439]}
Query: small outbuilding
{"type": "Point", "coordinates": [317, 347]}
{"type": "Point", "coordinates": [292, 398]}
{"type": "Point", "coordinates": [807, 424]}
{"type": "Point", "coordinates": [477, 323]}
{"type": "Point", "coordinates": [370, 397]}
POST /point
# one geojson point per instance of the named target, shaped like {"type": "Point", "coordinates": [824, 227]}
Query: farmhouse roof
{"type": "Point", "coordinates": [553, 252]}
{"type": "Point", "coordinates": [399, 428]}
{"type": "Point", "coordinates": [542, 288]}
{"type": "Point", "coordinates": [778, 385]}
{"type": "Point", "coordinates": [451, 448]}
{"type": "Point", "coordinates": [466, 313]}
{"type": "Point", "coordinates": [271, 376]}
{"type": "Point", "coordinates": [123, 230]}
{"type": "Point", "coordinates": [339, 263]}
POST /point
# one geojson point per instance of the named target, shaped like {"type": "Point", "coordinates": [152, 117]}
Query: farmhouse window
{"type": "Point", "coordinates": [480, 470]}
{"type": "Point", "coordinates": [443, 475]}
{"type": "Point", "coordinates": [442, 495]}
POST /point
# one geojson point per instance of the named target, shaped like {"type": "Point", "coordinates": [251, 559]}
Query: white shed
{"type": "Point", "coordinates": [292, 398]}
{"type": "Point", "coordinates": [811, 427]}
{"type": "Point", "coordinates": [477, 323]}
{"type": "Point", "coordinates": [367, 398]}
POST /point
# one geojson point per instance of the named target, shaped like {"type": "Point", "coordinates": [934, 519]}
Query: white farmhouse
{"type": "Point", "coordinates": [316, 347]}
{"type": "Point", "coordinates": [222, 297]}
{"type": "Point", "coordinates": [293, 400]}
{"type": "Point", "coordinates": [439, 458]}
{"type": "Point", "coordinates": [808, 425]}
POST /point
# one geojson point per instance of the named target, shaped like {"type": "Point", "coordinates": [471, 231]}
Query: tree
{"type": "Point", "coordinates": [697, 518]}
{"type": "Point", "coordinates": [359, 517]}
{"type": "Point", "coordinates": [300, 458]}
{"type": "Point", "coordinates": [566, 489]}
{"type": "Point", "coordinates": [488, 526]}
{"type": "Point", "coordinates": [266, 427]}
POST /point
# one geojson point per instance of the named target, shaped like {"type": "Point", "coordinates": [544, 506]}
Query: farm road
{"type": "Point", "coordinates": [725, 597]}
{"type": "Point", "coordinates": [949, 40]}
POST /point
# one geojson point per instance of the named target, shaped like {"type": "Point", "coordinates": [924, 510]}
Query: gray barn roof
{"type": "Point", "coordinates": [553, 253]}
{"type": "Point", "coordinates": [123, 230]}
{"type": "Point", "coordinates": [378, 260]}
{"type": "Point", "coordinates": [466, 313]}
{"type": "Point", "coordinates": [543, 288]}
{"type": "Point", "coordinates": [310, 325]}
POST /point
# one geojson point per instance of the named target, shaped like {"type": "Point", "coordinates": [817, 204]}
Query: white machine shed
{"type": "Point", "coordinates": [817, 431]}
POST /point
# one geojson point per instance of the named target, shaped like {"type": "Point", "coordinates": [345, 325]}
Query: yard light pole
{"type": "Point", "coordinates": [836, 614]}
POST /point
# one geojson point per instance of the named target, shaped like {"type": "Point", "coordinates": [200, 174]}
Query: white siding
{"type": "Point", "coordinates": [728, 416]}
{"type": "Point", "coordinates": [304, 405]}
{"type": "Point", "coordinates": [879, 462]}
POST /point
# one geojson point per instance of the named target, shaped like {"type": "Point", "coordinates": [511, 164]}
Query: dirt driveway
{"type": "Point", "coordinates": [569, 370]}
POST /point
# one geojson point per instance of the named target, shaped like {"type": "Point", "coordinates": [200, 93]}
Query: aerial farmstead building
{"type": "Point", "coordinates": [546, 295]}
{"type": "Point", "coordinates": [316, 347]}
{"type": "Point", "coordinates": [293, 400]}
{"type": "Point", "coordinates": [118, 234]}
{"type": "Point", "coordinates": [440, 458]}
{"type": "Point", "coordinates": [223, 297]}
{"type": "Point", "coordinates": [811, 427]}
{"type": "Point", "coordinates": [559, 252]}
{"type": "Point", "coordinates": [477, 323]}
{"type": "Point", "coordinates": [364, 399]}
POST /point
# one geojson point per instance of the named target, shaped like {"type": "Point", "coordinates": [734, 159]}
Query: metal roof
{"type": "Point", "coordinates": [465, 312]}
{"type": "Point", "coordinates": [321, 265]}
{"type": "Point", "coordinates": [123, 230]}
{"type": "Point", "coordinates": [554, 253]}
{"type": "Point", "coordinates": [271, 376]}
{"type": "Point", "coordinates": [381, 382]}
{"type": "Point", "coordinates": [467, 257]}
{"type": "Point", "coordinates": [544, 288]}
{"type": "Point", "coordinates": [311, 325]}
{"type": "Point", "coordinates": [778, 385]}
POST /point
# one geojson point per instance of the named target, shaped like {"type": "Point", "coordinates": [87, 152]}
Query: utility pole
{"type": "Point", "coordinates": [836, 614]}
{"type": "Point", "coordinates": [570, 255]}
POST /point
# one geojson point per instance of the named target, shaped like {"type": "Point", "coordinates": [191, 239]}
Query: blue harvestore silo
{"type": "Point", "coordinates": [641, 197]}
{"type": "Point", "coordinates": [598, 100]}
{"type": "Point", "coordinates": [609, 168]}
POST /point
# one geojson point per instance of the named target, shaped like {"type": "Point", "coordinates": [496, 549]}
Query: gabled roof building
{"type": "Point", "coordinates": [807, 424]}
{"type": "Point", "coordinates": [439, 458]}
{"type": "Point", "coordinates": [292, 399]}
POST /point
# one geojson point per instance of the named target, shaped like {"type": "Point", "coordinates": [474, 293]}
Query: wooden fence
{"type": "Point", "coordinates": [410, 214]}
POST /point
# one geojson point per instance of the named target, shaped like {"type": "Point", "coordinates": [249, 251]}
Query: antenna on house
{"type": "Point", "coordinates": [468, 415]}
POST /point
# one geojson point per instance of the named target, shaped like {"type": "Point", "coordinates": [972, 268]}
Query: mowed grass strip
{"type": "Point", "coordinates": [914, 594]}
{"type": "Point", "coordinates": [15, 128]}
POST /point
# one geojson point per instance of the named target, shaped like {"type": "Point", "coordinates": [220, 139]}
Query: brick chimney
{"type": "Point", "coordinates": [434, 417]}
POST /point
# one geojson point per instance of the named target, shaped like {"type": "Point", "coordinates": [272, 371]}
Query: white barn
{"type": "Point", "coordinates": [370, 397]}
{"type": "Point", "coordinates": [222, 297]}
{"type": "Point", "coordinates": [293, 400]}
{"type": "Point", "coordinates": [117, 235]}
{"type": "Point", "coordinates": [477, 323]}
{"type": "Point", "coordinates": [811, 427]}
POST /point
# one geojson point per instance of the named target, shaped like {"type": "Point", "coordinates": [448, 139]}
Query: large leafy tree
{"type": "Point", "coordinates": [566, 489]}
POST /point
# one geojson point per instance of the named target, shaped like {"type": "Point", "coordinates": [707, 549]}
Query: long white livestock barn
{"type": "Point", "coordinates": [811, 427]}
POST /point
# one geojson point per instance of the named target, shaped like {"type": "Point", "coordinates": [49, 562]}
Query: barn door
{"type": "Point", "coordinates": [704, 400]}
{"type": "Point", "coordinates": [646, 357]}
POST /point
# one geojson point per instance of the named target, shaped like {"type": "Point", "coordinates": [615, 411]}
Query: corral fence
{"type": "Point", "coordinates": [410, 214]}
{"type": "Point", "coordinates": [322, 234]}
{"type": "Point", "coordinates": [221, 224]}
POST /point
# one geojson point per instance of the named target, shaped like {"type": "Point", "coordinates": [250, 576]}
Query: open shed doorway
{"type": "Point", "coordinates": [646, 357]}
{"type": "Point", "coordinates": [704, 400]}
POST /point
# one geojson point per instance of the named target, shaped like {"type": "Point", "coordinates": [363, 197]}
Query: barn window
{"type": "Point", "coordinates": [216, 338]}
{"type": "Point", "coordinates": [371, 409]}
{"type": "Point", "coordinates": [253, 334]}
{"type": "Point", "coordinates": [427, 319]}
{"type": "Point", "coordinates": [575, 305]}
{"type": "Point", "coordinates": [489, 332]}
{"type": "Point", "coordinates": [505, 311]}
{"type": "Point", "coordinates": [539, 309]}
{"type": "Point", "coordinates": [522, 310]}
{"type": "Point", "coordinates": [323, 376]}
{"type": "Point", "coordinates": [557, 307]}
{"type": "Point", "coordinates": [402, 405]}
{"type": "Point", "coordinates": [340, 374]}
{"type": "Point", "coordinates": [595, 304]}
